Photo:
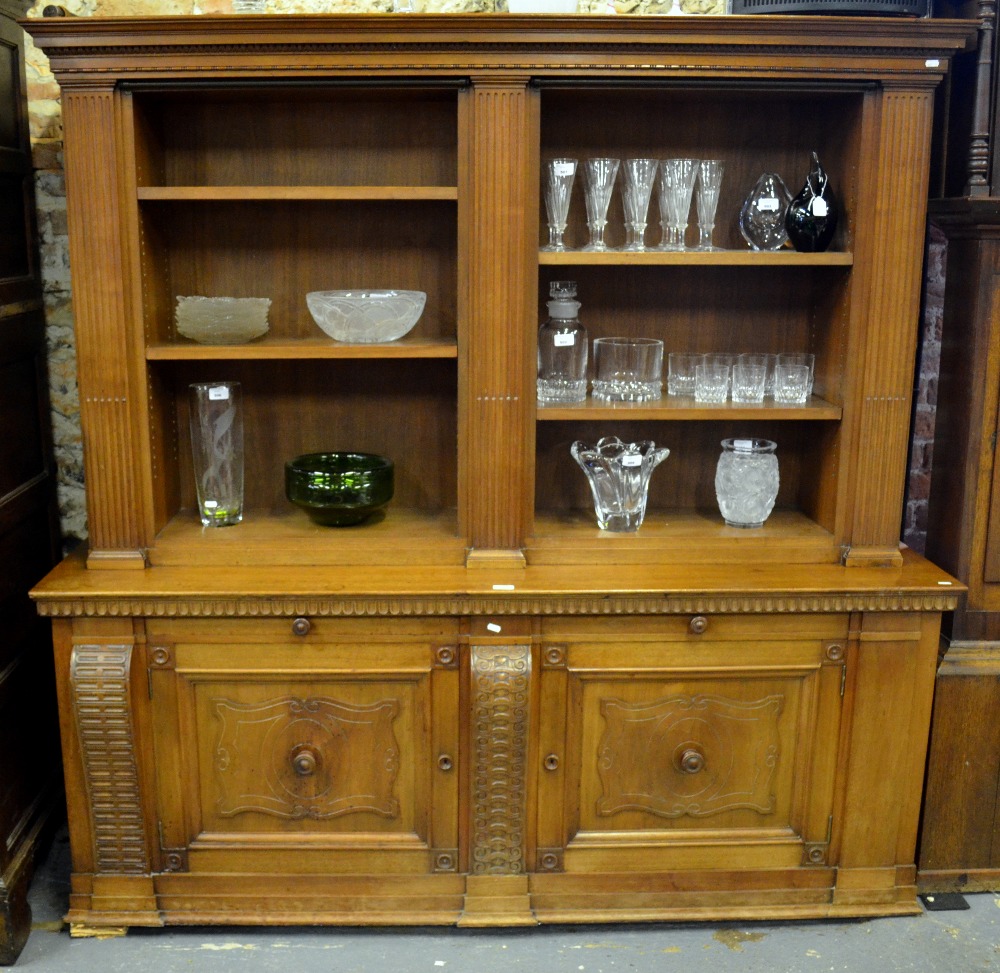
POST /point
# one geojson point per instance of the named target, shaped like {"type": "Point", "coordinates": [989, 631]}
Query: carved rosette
{"type": "Point", "coordinates": [99, 680]}
{"type": "Point", "coordinates": [500, 675]}
{"type": "Point", "coordinates": [688, 755]}
{"type": "Point", "coordinates": [315, 758]}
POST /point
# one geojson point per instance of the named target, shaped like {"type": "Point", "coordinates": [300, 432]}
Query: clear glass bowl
{"type": "Point", "coordinates": [339, 489]}
{"type": "Point", "coordinates": [366, 317]}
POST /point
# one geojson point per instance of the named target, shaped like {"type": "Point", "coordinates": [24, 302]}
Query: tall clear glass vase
{"type": "Point", "coordinates": [217, 451]}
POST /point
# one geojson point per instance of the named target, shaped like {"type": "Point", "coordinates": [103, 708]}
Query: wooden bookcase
{"type": "Point", "coordinates": [479, 708]}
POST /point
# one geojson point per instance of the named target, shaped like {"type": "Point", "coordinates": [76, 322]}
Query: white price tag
{"type": "Point", "coordinates": [818, 206]}
{"type": "Point", "coordinates": [218, 393]}
{"type": "Point", "coordinates": [563, 168]}
{"type": "Point", "coordinates": [210, 504]}
{"type": "Point", "coordinates": [564, 340]}
{"type": "Point", "coordinates": [744, 445]}
{"type": "Point", "coordinates": [493, 627]}
{"type": "Point", "coordinates": [932, 62]}
{"type": "Point", "coordinates": [632, 459]}
{"type": "Point", "coordinates": [769, 204]}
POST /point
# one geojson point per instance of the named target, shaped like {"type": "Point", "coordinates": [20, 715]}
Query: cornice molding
{"type": "Point", "coordinates": [748, 603]}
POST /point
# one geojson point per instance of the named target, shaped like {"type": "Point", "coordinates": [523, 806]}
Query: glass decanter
{"type": "Point", "coordinates": [562, 348]}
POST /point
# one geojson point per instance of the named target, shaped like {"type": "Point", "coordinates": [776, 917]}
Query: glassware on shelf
{"type": "Point", "coordinates": [793, 377]}
{"type": "Point", "coordinates": [559, 177]}
{"type": "Point", "coordinates": [599, 183]}
{"type": "Point", "coordinates": [746, 481]}
{"type": "Point", "coordinates": [618, 474]}
{"type": "Point", "coordinates": [768, 361]}
{"type": "Point", "coordinates": [628, 369]}
{"type": "Point", "coordinates": [637, 187]}
{"type": "Point", "coordinates": [749, 381]}
{"type": "Point", "coordinates": [762, 216]}
{"type": "Point", "coordinates": [707, 195]}
{"type": "Point", "coordinates": [217, 451]}
{"type": "Point", "coordinates": [676, 183]}
{"type": "Point", "coordinates": [562, 348]}
{"type": "Point", "coordinates": [711, 380]}
{"type": "Point", "coordinates": [811, 220]}
{"type": "Point", "coordinates": [680, 373]}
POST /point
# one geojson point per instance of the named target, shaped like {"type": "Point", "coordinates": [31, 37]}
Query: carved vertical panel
{"type": "Point", "coordinates": [502, 239]}
{"type": "Point", "coordinates": [94, 210]}
{"type": "Point", "coordinates": [99, 677]}
{"type": "Point", "coordinates": [500, 678]}
{"type": "Point", "coordinates": [890, 295]}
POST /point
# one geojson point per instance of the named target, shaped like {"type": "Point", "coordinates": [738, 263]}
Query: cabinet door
{"type": "Point", "coordinates": [340, 743]}
{"type": "Point", "coordinates": [688, 749]}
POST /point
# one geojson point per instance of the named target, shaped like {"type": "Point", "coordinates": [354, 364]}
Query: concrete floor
{"type": "Point", "coordinates": [954, 941]}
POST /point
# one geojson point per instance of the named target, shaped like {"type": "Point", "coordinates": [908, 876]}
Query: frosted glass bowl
{"type": "Point", "coordinates": [222, 320]}
{"type": "Point", "coordinates": [366, 317]}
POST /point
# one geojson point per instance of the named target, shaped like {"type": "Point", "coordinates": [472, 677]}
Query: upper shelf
{"type": "Point", "coordinates": [705, 258]}
{"type": "Point", "coordinates": [308, 193]}
{"type": "Point", "coordinates": [268, 349]}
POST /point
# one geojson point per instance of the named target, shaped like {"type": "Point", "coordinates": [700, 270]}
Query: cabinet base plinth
{"type": "Point", "coordinates": [82, 930]}
{"type": "Point", "coordinates": [497, 900]}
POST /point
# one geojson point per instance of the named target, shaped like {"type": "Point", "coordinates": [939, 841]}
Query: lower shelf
{"type": "Point", "coordinates": [681, 536]}
{"type": "Point", "coordinates": [405, 536]}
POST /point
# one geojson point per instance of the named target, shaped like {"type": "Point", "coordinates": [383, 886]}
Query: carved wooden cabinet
{"type": "Point", "coordinates": [479, 708]}
{"type": "Point", "coordinates": [30, 784]}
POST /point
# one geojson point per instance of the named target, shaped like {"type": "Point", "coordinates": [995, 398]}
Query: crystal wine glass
{"type": "Point", "coordinates": [676, 183]}
{"type": "Point", "coordinates": [637, 187]}
{"type": "Point", "coordinates": [709, 181]}
{"type": "Point", "coordinates": [559, 177]}
{"type": "Point", "coordinates": [599, 182]}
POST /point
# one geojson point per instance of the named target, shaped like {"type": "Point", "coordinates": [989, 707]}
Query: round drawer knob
{"type": "Point", "coordinates": [551, 762]}
{"type": "Point", "coordinates": [692, 761]}
{"type": "Point", "coordinates": [698, 625]}
{"type": "Point", "coordinates": [301, 626]}
{"type": "Point", "coordinates": [304, 763]}
{"type": "Point", "coordinates": [445, 762]}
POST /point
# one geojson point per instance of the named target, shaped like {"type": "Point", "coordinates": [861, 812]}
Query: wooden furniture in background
{"type": "Point", "coordinates": [481, 709]}
{"type": "Point", "coordinates": [960, 830]}
{"type": "Point", "coordinates": [30, 783]}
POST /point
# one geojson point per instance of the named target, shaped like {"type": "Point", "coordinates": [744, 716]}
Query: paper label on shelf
{"type": "Point", "coordinates": [493, 627]}
{"type": "Point", "coordinates": [769, 204]}
{"type": "Point", "coordinates": [818, 206]}
{"type": "Point", "coordinates": [563, 168]}
{"type": "Point", "coordinates": [218, 394]}
{"type": "Point", "coordinates": [564, 340]}
{"type": "Point", "coordinates": [632, 459]}
{"type": "Point", "coordinates": [745, 445]}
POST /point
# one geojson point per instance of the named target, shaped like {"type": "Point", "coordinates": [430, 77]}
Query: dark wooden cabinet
{"type": "Point", "coordinates": [30, 781]}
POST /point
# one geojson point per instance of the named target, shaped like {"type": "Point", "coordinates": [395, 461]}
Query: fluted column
{"type": "Point", "coordinates": [100, 289]}
{"type": "Point", "coordinates": [887, 279]}
{"type": "Point", "coordinates": [500, 225]}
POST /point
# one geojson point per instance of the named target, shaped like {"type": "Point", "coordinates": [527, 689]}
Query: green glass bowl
{"type": "Point", "coordinates": [339, 489]}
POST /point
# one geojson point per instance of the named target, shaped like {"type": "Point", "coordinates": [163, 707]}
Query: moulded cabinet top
{"type": "Point", "coordinates": [863, 49]}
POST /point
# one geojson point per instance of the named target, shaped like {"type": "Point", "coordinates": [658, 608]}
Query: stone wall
{"type": "Point", "coordinates": [46, 132]}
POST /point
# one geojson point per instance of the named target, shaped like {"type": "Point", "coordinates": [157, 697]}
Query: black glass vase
{"type": "Point", "coordinates": [811, 219]}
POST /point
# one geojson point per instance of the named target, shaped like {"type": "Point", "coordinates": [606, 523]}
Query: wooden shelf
{"type": "Point", "coordinates": [679, 536]}
{"type": "Point", "coordinates": [316, 193]}
{"type": "Point", "coordinates": [301, 348]}
{"type": "Point", "coordinates": [696, 258]}
{"type": "Point", "coordinates": [398, 535]}
{"type": "Point", "coordinates": [669, 408]}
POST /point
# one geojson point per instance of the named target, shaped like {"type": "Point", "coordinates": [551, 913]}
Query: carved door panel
{"type": "Point", "coordinates": [345, 749]}
{"type": "Point", "coordinates": [683, 753]}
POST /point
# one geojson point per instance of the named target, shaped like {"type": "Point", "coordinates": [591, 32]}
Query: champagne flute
{"type": "Point", "coordinates": [559, 177]}
{"type": "Point", "coordinates": [676, 184]}
{"type": "Point", "coordinates": [709, 181]}
{"type": "Point", "coordinates": [599, 183]}
{"type": "Point", "coordinates": [637, 187]}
